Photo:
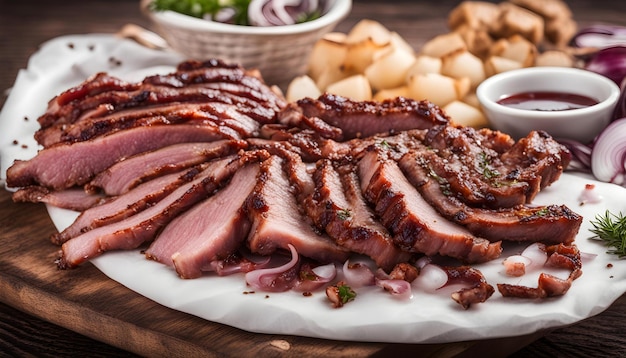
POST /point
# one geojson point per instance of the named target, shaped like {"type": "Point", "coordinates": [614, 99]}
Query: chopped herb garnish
{"type": "Point", "coordinates": [344, 214]}
{"type": "Point", "coordinates": [346, 293]}
{"type": "Point", "coordinates": [485, 166]}
{"type": "Point", "coordinates": [611, 229]}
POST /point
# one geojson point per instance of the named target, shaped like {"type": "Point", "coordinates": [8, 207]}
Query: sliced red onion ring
{"type": "Point", "coordinates": [587, 257]}
{"type": "Point", "coordinates": [609, 153]}
{"type": "Point", "coordinates": [536, 253]}
{"type": "Point", "coordinates": [609, 62]}
{"type": "Point", "coordinates": [277, 279]}
{"type": "Point", "coordinates": [620, 107]}
{"type": "Point", "coordinates": [600, 36]}
{"type": "Point", "coordinates": [315, 278]}
{"type": "Point", "coordinates": [282, 12]}
{"type": "Point", "coordinates": [581, 154]}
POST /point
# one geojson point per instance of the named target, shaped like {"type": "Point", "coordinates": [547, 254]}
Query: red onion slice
{"type": "Point", "coordinates": [609, 62]}
{"type": "Point", "coordinates": [609, 153]}
{"type": "Point", "coordinates": [600, 36]}
{"type": "Point", "coordinates": [537, 255]}
{"type": "Point", "coordinates": [277, 279]}
{"type": "Point", "coordinates": [315, 278]}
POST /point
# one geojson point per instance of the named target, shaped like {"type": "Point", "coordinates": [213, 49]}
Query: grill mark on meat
{"type": "Point", "coordinates": [195, 72]}
{"type": "Point", "coordinates": [472, 171]}
{"type": "Point", "coordinates": [364, 119]}
{"type": "Point", "coordinates": [197, 113]}
{"type": "Point", "coordinates": [277, 221]}
{"type": "Point", "coordinates": [292, 116]}
{"type": "Point", "coordinates": [549, 224]}
{"type": "Point", "coordinates": [98, 83]}
{"type": "Point", "coordinates": [541, 158]}
{"type": "Point", "coordinates": [67, 165]}
{"type": "Point", "coordinates": [128, 173]}
{"type": "Point", "coordinates": [211, 230]}
{"type": "Point", "coordinates": [103, 94]}
{"type": "Point", "coordinates": [413, 223]}
{"type": "Point", "coordinates": [338, 207]}
{"type": "Point", "coordinates": [124, 206]}
{"type": "Point", "coordinates": [482, 176]}
{"type": "Point", "coordinates": [72, 199]}
{"type": "Point", "coordinates": [135, 230]}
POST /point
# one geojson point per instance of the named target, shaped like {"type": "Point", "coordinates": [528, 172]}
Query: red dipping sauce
{"type": "Point", "coordinates": [547, 101]}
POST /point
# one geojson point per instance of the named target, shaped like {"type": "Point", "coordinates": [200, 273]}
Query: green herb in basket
{"type": "Point", "coordinates": [229, 11]}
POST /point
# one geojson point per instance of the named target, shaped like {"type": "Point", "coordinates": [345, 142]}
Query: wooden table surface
{"type": "Point", "coordinates": [68, 319]}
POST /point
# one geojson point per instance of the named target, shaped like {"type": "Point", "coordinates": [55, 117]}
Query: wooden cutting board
{"type": "Point", "coordinates": [86, 301]}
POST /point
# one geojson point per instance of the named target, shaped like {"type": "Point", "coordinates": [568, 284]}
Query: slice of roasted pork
{"type": "Point", "coordinates": [497, 175]}
{"type": "Point", "coordinates": [414, 224]}
{"type": "Point", "coordinates": [222, 114]}
{"type": "Point", "coordinates": [72, 199]}
{"type": "Point", "coordinates": [277, 220]}
{"type": "Point", "coordinates": [123, 206]}
{"type": "Point", "coordinates": [141, 228]}
{"type": "Point", "coordinates": [360, 119]}
{"type": "Point", "coordinates": [193, 81]}
{"type": "Point", "coordinates": [66, 165]}
{"type": "Point", "coordinates": [338, 207]}
{"type": "Point", "coordinates": [550, 224]}
{"type": "Point", "coordinates": [211, 230]}
{"type": "Point", "coordinates": [128, 173]}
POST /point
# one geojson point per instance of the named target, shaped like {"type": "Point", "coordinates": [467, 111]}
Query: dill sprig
{"type": "Point", "coordinates": [611, 229]}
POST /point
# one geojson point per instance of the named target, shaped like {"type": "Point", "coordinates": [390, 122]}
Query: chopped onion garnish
{"type": "Point", "coordinates": [357, 274]}
{"type": "Point", "coordinates": [515, 265]}
{"type": "Point", "coordinates": [589, 195]}
{"type": "Point", "coordinates": [315, 278]}
{"type": "Point", "coordinates": [609, 153]}
{"type": "Point", "coordinates": [399, 289]}
{"type": "Point", "coordinates": [274, 279]}
{"type": "Point", "coordinates": [537, 255]}
{"type": "Point", "coordinates": [431, 278]}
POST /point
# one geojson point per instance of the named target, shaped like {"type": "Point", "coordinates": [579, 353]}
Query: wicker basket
{"type": "Point", "coordinates": [279, 52]}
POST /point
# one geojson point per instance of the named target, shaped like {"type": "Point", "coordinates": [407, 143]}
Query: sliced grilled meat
{"type": "Point", "coordinates": [67, 165]}
{"type": "Point", "coordinates": [123, 206]}
{"type": "Point", "coordinates": [128, 173]}
{"type": "Point", "coordinates": [135, 230]}
{"type": "Point", "coordinates": [363, 119]}
{"type": "Point", "coordinates": [278, 221]}
{"type": "Point", "coordinates": [212, 230]}
{"type": "Point", "coordinates": [550, 224]}
{"type": "Point", "coordinates": [338, 207]}
{"type": "Point", "coordinates": [414, 224]}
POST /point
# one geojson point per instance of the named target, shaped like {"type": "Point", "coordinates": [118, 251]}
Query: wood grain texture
{"type": "Point", "coordinates": [51, 313]}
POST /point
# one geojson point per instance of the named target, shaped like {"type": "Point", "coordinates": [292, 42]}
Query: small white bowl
{"type": "Point", "coordinates": [279, 52]}
{"type": "Point", "coordinates": [581, 124]}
